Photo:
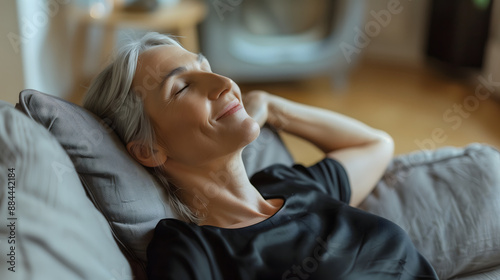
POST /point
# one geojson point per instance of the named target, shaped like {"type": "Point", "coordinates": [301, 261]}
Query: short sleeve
{"type": "Point", "coordinates": [177, 252]}
{"type": "Point", "coordinates": [328, 176]}
{"type": "Point", "coordinates": [331, 176]}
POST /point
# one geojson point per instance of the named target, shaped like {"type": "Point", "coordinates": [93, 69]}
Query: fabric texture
{"type": "Point", "coordinates": [315, 235]}
{"type": "Point", "coordinates": [56, 231]}
{"type": "Point", "coordinates": [127, 195]}
{"type": "Point", "coordinates": [448, 201]}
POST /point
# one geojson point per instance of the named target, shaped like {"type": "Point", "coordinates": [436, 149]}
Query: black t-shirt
{"type": "Point", "coordinates": [315, 235]}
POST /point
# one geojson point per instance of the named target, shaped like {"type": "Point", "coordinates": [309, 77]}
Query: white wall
{"type": "Point", "coordinates": [402, 37]}
{"type": "Point", "coordinates": [492, 59]}
{"type": "Point", "coordinates": [45, 45]}
{"type": "Point", "coordinates": [495, 21]}
{"type": "Point", "coordinates": [11, 67]}
{"type": "Point", "coordinates": [35, 47]}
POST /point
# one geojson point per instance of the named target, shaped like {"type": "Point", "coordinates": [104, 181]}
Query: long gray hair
{"type": "Point", "coordinates": [111, 97]}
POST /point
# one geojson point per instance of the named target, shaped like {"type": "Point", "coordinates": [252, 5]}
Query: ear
{"type": "Point", "coordinates": [144, 156]}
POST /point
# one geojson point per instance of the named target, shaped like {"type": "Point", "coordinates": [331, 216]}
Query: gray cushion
{"type": "Point", "coordinates": [122, 189]}
{"type": "Point", "coordinates": [448, 201]}
{"type": "Point", "coordinates": [266, 150]}
{"type": "Point", "coordinates": [58, 232]}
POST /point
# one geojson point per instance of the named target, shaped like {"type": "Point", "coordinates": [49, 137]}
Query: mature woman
{"type": "Point", "coordinates": [189, 126]}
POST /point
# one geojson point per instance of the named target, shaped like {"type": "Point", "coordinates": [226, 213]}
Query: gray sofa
{"type": "Point", "coordinates": [81, 208]}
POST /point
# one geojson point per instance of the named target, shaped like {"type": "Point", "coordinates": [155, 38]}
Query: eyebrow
{"type": "Point", "coordinates": [181, 69]}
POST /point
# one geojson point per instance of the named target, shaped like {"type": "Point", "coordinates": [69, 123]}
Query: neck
{"type": "Point", "coordinates": [220, 193]}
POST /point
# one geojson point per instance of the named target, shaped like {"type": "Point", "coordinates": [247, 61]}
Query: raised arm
{"type": "Point", "coordinates": [364, 151]}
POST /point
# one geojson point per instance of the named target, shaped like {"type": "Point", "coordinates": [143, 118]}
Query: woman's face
{"type": "Point", "coordinates": [198, 116]}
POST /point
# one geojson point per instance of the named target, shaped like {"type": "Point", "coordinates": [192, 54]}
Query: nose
{"type": "Point", "coordinates": [215, 85]}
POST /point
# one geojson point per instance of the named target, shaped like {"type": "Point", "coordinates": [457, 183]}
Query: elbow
{"type": "Point", "coordinates": [381, 150]}
{"type": "Point", "coordinates": [386, 143]}
{"type": "Point", "coordinates": [366, 164]}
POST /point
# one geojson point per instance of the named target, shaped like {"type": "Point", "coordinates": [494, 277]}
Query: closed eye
{"type": "Point", "coordinates": [182, 89]}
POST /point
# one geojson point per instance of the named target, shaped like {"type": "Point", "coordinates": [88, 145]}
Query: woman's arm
{"type": "Point", "coordinates": [364, 152]}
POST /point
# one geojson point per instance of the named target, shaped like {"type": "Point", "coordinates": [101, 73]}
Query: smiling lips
{"type": "Point", "coordinates": [230, 109]}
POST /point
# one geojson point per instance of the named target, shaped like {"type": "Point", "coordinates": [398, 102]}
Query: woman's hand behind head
{"type": "Point", "coordinates": [256, 105]}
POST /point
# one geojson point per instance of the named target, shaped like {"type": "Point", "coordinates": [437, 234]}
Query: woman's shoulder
{"type": "Point", "coordinates": [326, 176]}
{"type": "Point", "coordinates": [282, 171]}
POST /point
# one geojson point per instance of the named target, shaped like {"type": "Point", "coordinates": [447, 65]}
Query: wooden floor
{"type": "Point", "coordinates": [421, 108]}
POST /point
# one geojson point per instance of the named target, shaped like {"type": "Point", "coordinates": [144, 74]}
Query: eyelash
{"type": "Point", "coordinates": [182, 89]}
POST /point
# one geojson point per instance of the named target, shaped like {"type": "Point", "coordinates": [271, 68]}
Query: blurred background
{"type": "Point", "coordinates": [427, 71]}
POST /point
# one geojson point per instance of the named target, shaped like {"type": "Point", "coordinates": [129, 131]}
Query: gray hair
{"type": "Point", "coordinates": [112, 98]}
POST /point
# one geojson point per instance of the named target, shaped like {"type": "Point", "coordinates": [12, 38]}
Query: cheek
{"type": "Point", "coordinates": [184, 125]}
{"type": "Point", "coordinates": [189, 120]}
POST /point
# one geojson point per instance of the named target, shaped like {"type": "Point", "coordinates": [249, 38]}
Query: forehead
{"type": "Point", "coordinates": [155, 63]}
{"type": "Point", "coordinates": [165, 56]}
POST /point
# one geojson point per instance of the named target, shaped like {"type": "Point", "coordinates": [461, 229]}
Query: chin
{"type": "Point", "coordinates": [251, 129]}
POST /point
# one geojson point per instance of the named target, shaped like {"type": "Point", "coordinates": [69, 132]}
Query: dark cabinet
{"type": "Point", "coordinates": [458, 31]}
